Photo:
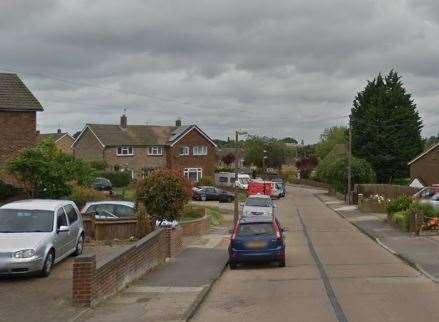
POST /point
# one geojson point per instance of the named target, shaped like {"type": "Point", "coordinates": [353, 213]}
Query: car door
{"type": "Point", "coordinates": [74, 223]}
{"type": "Point", "coordinates": [62, 237]}
{"type": "Point", "coordinates": [211, 194]}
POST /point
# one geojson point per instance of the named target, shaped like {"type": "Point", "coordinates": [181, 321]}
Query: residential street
{"type": "Point", "coordinates": [334, 273]}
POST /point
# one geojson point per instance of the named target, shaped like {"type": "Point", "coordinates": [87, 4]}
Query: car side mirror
{"type": "Point", "coordinates": [63, 229]}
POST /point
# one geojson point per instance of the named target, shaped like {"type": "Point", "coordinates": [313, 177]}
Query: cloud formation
{"type": "Point", "coordinates": [284, 68]}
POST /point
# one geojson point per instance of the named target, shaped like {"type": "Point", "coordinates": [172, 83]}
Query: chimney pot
{"type": "Point", "coordinates": [178, 122]}
{"type": "Point", "coordinates": [59, 131]}
{"type": "Point", "coordinates": [123, 121]}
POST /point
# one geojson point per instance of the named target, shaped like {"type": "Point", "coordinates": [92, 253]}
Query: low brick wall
{"type": "Point", "coordinates": [312, 183]}
{"type": "Point", "coordinates": [93, 283]}
{"type": "Point", "coordinates": [367, 206]}
{"type": "Point", "coordinates": [196, 227]}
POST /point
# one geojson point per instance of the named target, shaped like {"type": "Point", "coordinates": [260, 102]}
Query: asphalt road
{"type": "Point", "coordinates": [333, 273]}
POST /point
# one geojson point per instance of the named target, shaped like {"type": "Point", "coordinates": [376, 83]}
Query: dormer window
{"type": "Point", "coordinates": [199, 150]}
{"type": "Point", "coordinates": [125, 150]}
{"type": "Point", "coordinates": [155, 150]}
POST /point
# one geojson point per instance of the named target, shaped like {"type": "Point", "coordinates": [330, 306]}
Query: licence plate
{"type": "Point", "coordinates": [256, 244]}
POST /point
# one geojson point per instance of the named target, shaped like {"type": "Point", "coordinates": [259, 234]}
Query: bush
{"type": "Point", "coordinates": [402, 219]}
{"type": "Point", "coordinates": [399, 204]}
{"type": "Point", "coordinates": [206, 181]}
{"type": "Point", "coordinates": [426, 209]}
{"type": "Point", "coordinates": [81, 195]}
{"type": "Point", "coordinates": [289, 174]}
{"type": "Point", "coordinates": [98, 165]}
{"type": "Point", "coordinates": [164, 194]}
{"type": "Point", "coordinates": [118, 179]}
{"type": "Point", "coordinates": [6, 190]}
{"type": "Point", "coordinates": [333, 171]}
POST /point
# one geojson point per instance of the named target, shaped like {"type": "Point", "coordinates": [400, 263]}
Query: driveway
{"type": "Point", "coordinates": [333, 273]}
{"type": "Point", "coordinates": [27, 299]}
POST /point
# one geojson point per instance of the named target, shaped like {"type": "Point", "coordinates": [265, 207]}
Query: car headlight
{"type": "Point", "coordinates": [25, 253]}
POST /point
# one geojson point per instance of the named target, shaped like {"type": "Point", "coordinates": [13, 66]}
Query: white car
{"type": "Point", "coordinates": [36, 234]}
{"type": "Point", "coordinates": [259, 204]}
{"type": "Point", "coordinates": [108, 209]}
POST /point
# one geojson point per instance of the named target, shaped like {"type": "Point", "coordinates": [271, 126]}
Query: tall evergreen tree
{"type": "Point", "coordinates": [386, 127]}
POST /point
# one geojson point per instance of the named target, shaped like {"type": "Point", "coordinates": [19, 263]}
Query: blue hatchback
{"type": "Point", "coordinates": [257, 239]}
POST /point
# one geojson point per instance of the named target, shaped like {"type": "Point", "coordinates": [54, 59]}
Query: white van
{"type": "Point", "coordinates": [227, 179]}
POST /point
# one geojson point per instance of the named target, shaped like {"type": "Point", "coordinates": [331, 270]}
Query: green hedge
{"type": "Point", "coordinates": [117, 178]}
{"type": "Point", "coordinates": [6, 190]}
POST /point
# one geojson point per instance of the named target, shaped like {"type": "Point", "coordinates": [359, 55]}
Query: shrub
{"type": "Point", "coordinates": [81, 195]}
{"type": "Point", "coordinates": [426, 209]}
{"type": "Point", "coordinates": [289, 174]}
{"type": "Point", "coordinates": [402, 219]}
{"type": "Point", "coordinates": [206, 181]}
{"type": "Point", "coordinates": [6, 190]}
{"type": "Point", "coordinates": [164, 194]}
{"type": "Point", "coordinates": [118, 179]}
{"type": "Point", "coordinates": [399, 204]}
{"type": "Point", "coordinates": [333, 171]}
{"type": "Point", "coordinates": [98, 165]}
{"type": "Point", "coordinates": [306, 165]}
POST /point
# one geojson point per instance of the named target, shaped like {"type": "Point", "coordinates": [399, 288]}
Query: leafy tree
{"type": "Point", "coordinates": [164, 194]}
{"type": "Point", "coordinates": [432, 140]}
{"type": "Point", "coordinates": [276, 152]}
{"type": "Point", "coordinates": [306, 165]}
{"type": "Point", "coordinates": [289, 140]}
{"type": "Point", "coordinates": [48, 172]}
{"type": "Point", "coordinates": [329, 139]}
{"type": "Point", "coordinates": [228, 159]}
{"type": "Point", "coordinates": [386, 128]}
{"type": "Point", "coordinates": [333, 171]}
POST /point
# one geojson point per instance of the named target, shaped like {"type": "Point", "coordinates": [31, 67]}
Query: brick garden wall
{"type": "Point", "coordinates": [195, 227]}
{"type": "Point", "coordinates": [92, 283]}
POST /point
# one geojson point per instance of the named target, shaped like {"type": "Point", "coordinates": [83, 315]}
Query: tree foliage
{"type": "Point", "coordinates": [329, 139]}
{"type": "Point", "coordinates": [276, 152]}
{"type": "Point", "coordinates": [228, 159]}
{"type": "Point", "coordinates": [432, 140]}
{"type": "Point", "coordinates": [306, 165]}
{"type": "Point", "coordinates": [386, 127]}
{"type": "Point", "coordinates": [333, 171]}
{"type": "Point", "coordinates": [164, 194]}
{"type": "Point", "coordinates": [47, 172]}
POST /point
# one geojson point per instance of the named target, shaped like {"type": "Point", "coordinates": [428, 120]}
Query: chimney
{"type": "Point", "coordinates": [178, 122]}
{"type": "Point", "coordinates": [38, 132]}
{"type": "Point", "coordinates": [59, 131]}
{"type": "Point", "coordinates": [123, 121]}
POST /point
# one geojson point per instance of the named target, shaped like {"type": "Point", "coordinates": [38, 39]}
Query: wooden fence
{"type": "Point", "coordinates": [388, 191]}
{"type": "Point", "coordinates": [109, 229]}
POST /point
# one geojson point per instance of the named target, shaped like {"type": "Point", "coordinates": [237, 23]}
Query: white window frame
{"type": "Point", "coordinates": [155, 150]}
{"type": "Point", "coordinates": [185, 150]}
{"type": "Point", "coordinates": [125, 150]}
{"type": "Point", "coordinates": [199, 150]}
{"type": "Point", "coordinates": [198, 171]}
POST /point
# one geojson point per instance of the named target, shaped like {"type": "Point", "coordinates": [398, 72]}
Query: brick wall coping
{"type": "Point", "coordinates": [85, 258]}
{"type": "Point", "coordinates": [147, 239]}
{"type": "Point", "coordinates": [193, 220]}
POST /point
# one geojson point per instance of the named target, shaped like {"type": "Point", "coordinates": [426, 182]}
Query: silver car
{"type": "Point", "coordinates": [258, 205]}
{"type": "Point", "coordinates": [35, 234]}
{"type": "Point", "coordinates": [432, 200]}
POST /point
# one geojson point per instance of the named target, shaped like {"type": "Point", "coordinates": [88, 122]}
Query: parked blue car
{"type": "Point", "coordinates": [257, 239]}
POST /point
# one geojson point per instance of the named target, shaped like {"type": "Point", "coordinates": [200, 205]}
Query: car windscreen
{"type": "Point", "coordinates": [435, 197]}
{"type": "Point", "coordinates": [258, 202]}
{"type": "Point", "coordinates": [244, 180]}
{"type": "Point", "coordinates": [25, 221]}
{"type": "Point", "coordinates": [255, 229]}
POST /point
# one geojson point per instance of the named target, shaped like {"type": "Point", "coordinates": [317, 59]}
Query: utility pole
{"type": "Point", "coordinates": [350, 162]}
{"type": "Point", "coordinates": [236, 208]}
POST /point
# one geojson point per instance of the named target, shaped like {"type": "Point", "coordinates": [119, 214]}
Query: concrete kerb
{"type": "Point", "coordinates": [379, 242]}
{"type": "Point", "coordinates": [193, 308]}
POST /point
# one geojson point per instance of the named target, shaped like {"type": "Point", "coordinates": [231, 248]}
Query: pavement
{"type": "Point", "coordinates": [173, 291]}
{"type": "Point", "coordinates": [334, 272]}
{"type": "Point", "coordinates": [30, 298]}
{"type": "Point", "coordinates": [422, 252]}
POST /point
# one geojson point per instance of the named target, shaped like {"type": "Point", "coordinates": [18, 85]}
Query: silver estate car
{"type": "Point", "coordinates": [35, 234]}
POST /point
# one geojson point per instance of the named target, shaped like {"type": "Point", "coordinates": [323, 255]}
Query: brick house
{"type": "Point", "coordinates": [18, 113]}
{"type": "Point", "coordinates": [424, 169]}
{"type": "Point", "coordinates": [141, 148]}
{"type": "Point", "coordinates": [63, 140]}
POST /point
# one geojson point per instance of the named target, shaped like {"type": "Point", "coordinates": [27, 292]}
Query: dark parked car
{"type": "Point", "coordinates": [211, 193]}
{"type": "Point", "coordinates": [102, 184]}
{"type": "Point", "coordinates": [257, 239]}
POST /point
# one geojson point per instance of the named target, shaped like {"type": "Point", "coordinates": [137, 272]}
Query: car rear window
{"type": "Point", "coordinates": [255, 229]}
{"type": "Point", "coordinates": [258, 202]}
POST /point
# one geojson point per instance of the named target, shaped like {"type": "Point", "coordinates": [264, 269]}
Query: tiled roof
{"type": "Point", "coordinates": [53, 136]}
{"type": "Point", "coordinates": [15, 96]}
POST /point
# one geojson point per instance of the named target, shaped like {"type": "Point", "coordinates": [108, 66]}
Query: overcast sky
{"type": "Point", "coordinates": [276, 68]}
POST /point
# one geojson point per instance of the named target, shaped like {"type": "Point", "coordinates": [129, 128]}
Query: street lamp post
{"type": "Point", "coordinates": [236, 210]}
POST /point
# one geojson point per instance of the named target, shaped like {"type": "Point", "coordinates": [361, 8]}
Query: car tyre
{"type": "Point", "coordinates": [230, 199]}
{"type": "Point", "coordinates": [232, 265]}
{"type": "Point", "coordinates": [48, 264]}
{"type": "Point", "coordinates": [282, 263]}
{"type": "Point", "coordinates": [203, 198]}
{"type": "Point", "coordinates": [79, 246]}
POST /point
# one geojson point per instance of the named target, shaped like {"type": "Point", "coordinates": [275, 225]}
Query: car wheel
{"type": "Point", "coordinates": [232, 265]}
{"type": "Point", "coordinates": [203, 198]}
{"type": "Point", "coordinates": [79, 246]}
{"type": "Point", "coordinates": [282, 263]}
{"type": "Point", "coordinates": [230, 199]}
{"type": "Point", "coordinates": [48, 263]}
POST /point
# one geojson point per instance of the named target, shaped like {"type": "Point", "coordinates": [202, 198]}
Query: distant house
{"type": "Point", "coordinates": [18, 109]}
{"type": "Point", "coordinates": [424, 169]}
{"type": "Point", "coordinates": [139, 149]}
{"type": "Point", "coordinates": [63, 140]}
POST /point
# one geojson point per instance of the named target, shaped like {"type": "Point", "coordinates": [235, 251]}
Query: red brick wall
{"type": "Point", "coordinates": [88, 147]}
{"type": "Point", "coordinates": [427, 168]}
{"type": "Point", "coordinates": [17, 132]}
{"type": "Point", "coordinates": [206, 162]}
{"type": "Point", "coordinates": [92, 284]}
{"type": "Point", "coordinates": [196, 227]}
